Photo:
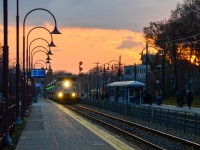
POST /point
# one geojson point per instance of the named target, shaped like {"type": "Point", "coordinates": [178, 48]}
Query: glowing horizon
{"type": "Point", "coordinates": [89, 45]}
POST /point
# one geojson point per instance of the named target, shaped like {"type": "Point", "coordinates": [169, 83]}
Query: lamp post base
{"type": "Point", "coordinates": [8, 139]}
{"type": "Point", "coordinates": [18, 121]}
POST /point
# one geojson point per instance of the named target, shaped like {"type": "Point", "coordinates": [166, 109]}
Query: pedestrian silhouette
{"type": "Point", "coordinates": [189, 97]}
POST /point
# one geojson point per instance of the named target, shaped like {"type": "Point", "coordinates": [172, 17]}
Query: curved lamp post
{"type": "Point", "coordinates": [104, 75]}
{"type": "Point", "coordinates": [18, 120]}
{"type": "Point", "coordinates": [39, 62]}
{"type": "Point", "coordinates": [37, 52]}
{"type": "Point", "coordinates": [5, 68]}
{"type": "Point", "coordinates": [28, 50]}
{"type": "Point", "coordinates": [51, 43]}
{"type": "Point", "coordinates": [47, 52]}
{"type": "Point", "coordinates": [147, 62]}
{"type": "Point", "coordinates": [118, 76]}
{"type": "Point", "coordinates": [119, 70]}
{"type": "Point", "coordinates": [39, 65]}
{"type": "Point", "coordinates": [55, 31]}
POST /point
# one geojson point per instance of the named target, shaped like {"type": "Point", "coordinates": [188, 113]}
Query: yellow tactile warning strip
{"type": "Point", "coordinates": [113, 141]}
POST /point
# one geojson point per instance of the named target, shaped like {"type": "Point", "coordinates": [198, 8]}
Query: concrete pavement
{"type": "Point", "coordinates": [51, 126]}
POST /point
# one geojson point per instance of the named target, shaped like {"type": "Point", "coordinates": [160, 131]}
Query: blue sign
{"type": "Point", "coordinates": [38, 84]}
{"type": "Point", "coordinates": [38, 73]}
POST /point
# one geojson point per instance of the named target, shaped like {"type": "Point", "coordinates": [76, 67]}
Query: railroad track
{"type": "Point", "coordinates": [147, 136]}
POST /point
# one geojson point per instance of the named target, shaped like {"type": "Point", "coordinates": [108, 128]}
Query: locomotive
{"type": "Point", "coordinates": [63, 89]}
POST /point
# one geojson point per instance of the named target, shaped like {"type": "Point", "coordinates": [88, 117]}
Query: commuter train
{"type": "Point", "coordinates": [62, 89]}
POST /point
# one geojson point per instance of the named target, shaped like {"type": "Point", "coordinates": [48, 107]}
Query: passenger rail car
{"type": "Point", "coordinates": [62, 90]}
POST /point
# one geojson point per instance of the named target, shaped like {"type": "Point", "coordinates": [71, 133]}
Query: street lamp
{"type": "Point", "coordinates": [28, 51]}
{"type": "Point", "coordinates": [48, 62]}
{"type": "Point", "coordinates": [37, 52]}
{"type": "Point", "coordinates": [47, 52]}
{"type": "Point", "coordinates": [32, 61]}
{"type": "Point", "coordinates": [5, 67]}
{"type": "Point", "coordinates": [39, 63]}
{"type": "Point", "coordinates": [55, 31]}
{"type": "Point", "coordinates": [48, 58]}
{"type": "Point", "coordinates": [18, 120]}
{"type": "Point", "coordinates": [104, 76]}
{"type": "Point", "coordinates": [119, 68]}
{"type": "Point", "coordinates": [118, 76]}
{"type": "Point", "coordinates": [51, 43]}
{"type": "Point", "coordinates": [147, 62]}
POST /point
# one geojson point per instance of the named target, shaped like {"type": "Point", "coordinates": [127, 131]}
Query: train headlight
{"type": "Point", "coordinates": [60, 94]}
{"type": "Point", "coordinates": [67, 84]}
{"type": "Point", "coordinates": [73, 94]}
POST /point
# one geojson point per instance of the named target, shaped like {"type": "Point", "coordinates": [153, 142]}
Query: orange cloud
{"type": "Point", "coordinates": [88, 45]}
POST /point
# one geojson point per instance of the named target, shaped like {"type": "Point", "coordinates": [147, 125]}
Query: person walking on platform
{"type": "Point", "coordinates": [189, 97]}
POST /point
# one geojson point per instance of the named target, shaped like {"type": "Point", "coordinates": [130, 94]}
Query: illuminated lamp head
{"type": "Point", "coordinates": [60, 94]}
{"type": "Point", "coordinates": [66, 84]}
{"type": "Point", "coordinates": [73, 94]}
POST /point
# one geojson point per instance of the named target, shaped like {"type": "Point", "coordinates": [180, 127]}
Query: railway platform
{"type": "Point", "coordinates": [51, 126]}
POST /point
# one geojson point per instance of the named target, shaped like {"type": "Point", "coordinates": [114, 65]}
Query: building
{"type": "Point", "coordinates": [138, 72]}
{"type": "Point", "coordinates": [135, 72]}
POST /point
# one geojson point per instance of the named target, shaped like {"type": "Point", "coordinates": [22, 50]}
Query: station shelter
{"type": "Point", "coordinates": [126, 92]}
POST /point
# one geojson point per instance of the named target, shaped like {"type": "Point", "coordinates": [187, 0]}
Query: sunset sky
{"type": "Point", "coordinates": [92, 30]}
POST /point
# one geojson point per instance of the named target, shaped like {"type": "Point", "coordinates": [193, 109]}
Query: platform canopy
{"type": "Point", "coordinates": [127, 84]}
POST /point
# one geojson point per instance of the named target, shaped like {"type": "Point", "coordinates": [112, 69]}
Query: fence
{"type": "Point", "coordinates": [185, 122]}
{"type": "Point", "coordinates": [7, 119]}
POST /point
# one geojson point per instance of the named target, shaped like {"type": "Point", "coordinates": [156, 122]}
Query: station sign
{"type": "Point", "coordinates": [38, 73]}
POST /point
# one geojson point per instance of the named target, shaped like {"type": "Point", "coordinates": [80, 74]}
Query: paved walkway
{"type": "Point", "coordinates": [50, 126]}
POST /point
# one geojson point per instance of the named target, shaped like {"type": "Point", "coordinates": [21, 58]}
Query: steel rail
{"type": "Point", "coordinates": [171, 137]}
{"type": "Point", "coordinates": [118, 129]}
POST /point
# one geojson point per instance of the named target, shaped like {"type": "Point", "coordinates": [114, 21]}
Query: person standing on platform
{"type": "Point", "coordinates": [189, 97]}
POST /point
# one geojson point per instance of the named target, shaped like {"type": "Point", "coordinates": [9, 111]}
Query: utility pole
{"type": "Point", "coordinates": [97, 87]}
{"type": "Point", "coordinates": [175, 61]}
{"type": "Point", "coordinates": [119, 69]}
{"type": "Point", "coordinates": [135, 72]}
{"type": "Point", "coordinates": [147, 66]}
{"type": "Point", "coordinates": [163, 73]}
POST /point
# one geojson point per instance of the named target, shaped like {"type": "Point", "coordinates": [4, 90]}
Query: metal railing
{"type": "Point", "coordinates": [11, 115]}
{"type": "Point", "coordinates": [186, 122]}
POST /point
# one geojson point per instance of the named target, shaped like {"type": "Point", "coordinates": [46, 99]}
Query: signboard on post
{"type": "Point", "coordinates": [38, 73]}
